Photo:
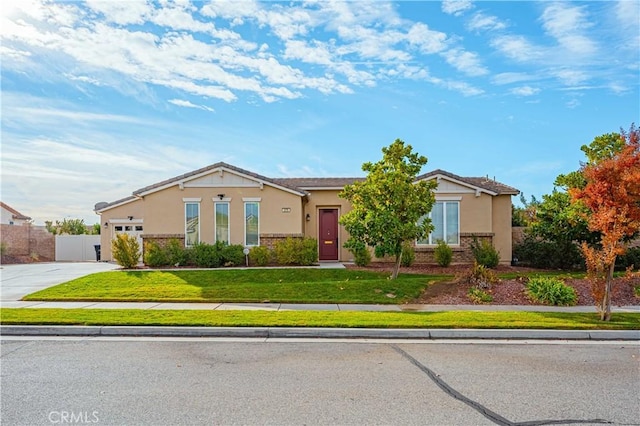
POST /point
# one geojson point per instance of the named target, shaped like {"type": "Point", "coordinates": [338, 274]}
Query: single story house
{"type": "Point", "coordinates": [222, 202]}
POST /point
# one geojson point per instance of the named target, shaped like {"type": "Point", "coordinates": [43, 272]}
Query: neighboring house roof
{"type": "Point", "coordinates": [300, 186]}
{"type": "Point", "coordinates": [485, 184]}
{"type": "Point", "coordinates": [15, 214]}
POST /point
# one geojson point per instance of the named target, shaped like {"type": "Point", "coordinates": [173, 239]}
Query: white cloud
{"type": "Point", "coordinates": [456, 7]}
{"type": "Point", "coordinates": [482, 22]}
{"type": "Point", "coordinates": [573, 103]}
{"type": "Point", "coordinates": [525, 91]}
{"type": "Point", "coordinates": [188, 104]}
{"type": "Point", "coordinates": [467, 62]}
{"type": "Point", "coordinates": [518, 48]}
{"type": "Point", "coordinates": [122, 12]}
{"type": "Point", "coordinates": [512, 77]}
{"type": "Point", "coordinates": [568, 25]}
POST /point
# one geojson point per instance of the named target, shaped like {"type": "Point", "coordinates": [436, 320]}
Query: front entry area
{"type": "Point", "coordinates": [328, 234]}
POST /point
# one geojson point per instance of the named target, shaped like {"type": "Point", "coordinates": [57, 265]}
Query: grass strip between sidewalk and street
{"type": "Point", "coordinates": [448, 319]}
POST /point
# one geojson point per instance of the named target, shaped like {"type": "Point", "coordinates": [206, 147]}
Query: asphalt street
{"type": "Point", "coordinates": [150, 381]}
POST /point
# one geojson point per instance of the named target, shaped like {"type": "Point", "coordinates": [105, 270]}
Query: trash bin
{"type": "Point", "coordinates": [97, 247]}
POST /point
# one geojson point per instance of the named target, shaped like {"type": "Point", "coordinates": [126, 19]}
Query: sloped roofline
{"type": "Point", "coordinates": [485, 185]}
{"type": "Point", "coordinates": [15, 213]}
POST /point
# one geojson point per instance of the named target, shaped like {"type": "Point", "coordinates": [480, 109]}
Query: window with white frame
{"type": "Point", "coordinates": [191, 223]}
{"type": "Point", "coordinates": [251, 223]}
{"type": "Point", "coordinates": [445, 218]}
{"type": "Point", "coordinates": [222, 222]}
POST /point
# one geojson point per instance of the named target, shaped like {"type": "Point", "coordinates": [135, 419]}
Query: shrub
{"type": "Point", "coordinates": [480, 277]}
{"type": "Point", "coordinates": [547, 254]}
{"type": "Point", "coordinates": [479, 296]}
{"type": "Point", "coordinates": [125, 250]}
{"type": "Point", "coordinates": [408, 254]}
{"type": "Point", "coordinates": [260, 255]}
{"type": "Point", "coordinates": [485, 253]}
{"type": "Point", "coordinates": [296, 251]}
{"type": "Point", "coordinates": [176, 254]}
{"type": "Point", "coordinates": [205, 255]}
{"type": "Point", "coordinates": [3, 248]}
{"type": "Point", "coordinates": [551, 291]}
{"type": "Point", "coordinates": [154, 255]}
{"type": "Point", "coordinates": [231, 255]}
{"type": "Point", "coordinates": [443, 254]}
{"type": "Point", "coordinates": [361, 256]}
{"type": "Point", "coordinates": [631, 258]}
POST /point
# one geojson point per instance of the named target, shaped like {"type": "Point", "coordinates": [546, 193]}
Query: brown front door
{"type": "Point", "coordinates": [328, 240]}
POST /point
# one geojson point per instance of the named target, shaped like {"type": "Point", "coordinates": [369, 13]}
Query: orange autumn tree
{"type": "Point", "coordinates": [612, 194]}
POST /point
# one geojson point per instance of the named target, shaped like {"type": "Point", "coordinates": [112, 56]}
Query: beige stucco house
{"type": "Point", "coordinates": [222, 202]}
{"type": "Point", "coordinates": [11, 216]}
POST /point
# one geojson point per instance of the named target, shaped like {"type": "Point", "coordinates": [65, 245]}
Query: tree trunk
{"type": "Point", "coordinates": [396, 267]}
{"type": "Point", "coordinates": [605, 313]}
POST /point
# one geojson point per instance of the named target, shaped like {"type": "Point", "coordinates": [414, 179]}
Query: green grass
{"type": "Point", "coordinates": [253, 285]}
{"type": "Point", "coordinates": [450, 319]}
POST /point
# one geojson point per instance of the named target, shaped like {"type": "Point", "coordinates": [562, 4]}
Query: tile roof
{"type": "Point", "coordinates": [479, 182]}
{"type": "Point", "coordinates": [15, 213]}
{"type": "Point", "coordinates": [301, 185]}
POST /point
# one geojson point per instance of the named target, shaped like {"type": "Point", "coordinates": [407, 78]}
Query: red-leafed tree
{"type": "Point", "coordinates": [612, 194]}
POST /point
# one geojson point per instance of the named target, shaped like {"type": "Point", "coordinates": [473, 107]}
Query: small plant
{"type": "Point", "coordinates": [3, 248]}
{"type": "Point", "coordinates": [551, 291]}
{"type": "Point", "coordinates": [408, 254]}
{"type": "Point", "coordinates": [176, 254]}
{"type": "Point", "coordinates": [361, 256]}
{"type": "Point", "coordinates": [443, 254]}
{"type": "Point", "coordinates": [205, 255]}
{"type": "Point", "coordinates": [480, 277]}
{"type": "Point", "coordinates": [126, 250]}
{"type": "Point", "coordinates": [485, 253]}
{"type": "Point", "coordinates": [636, 291]}
{"type": "Point", "coordinates": [296, 251]}
{"type": "Point", "coordinates": [154, 255]}
{"type": "Point", "coordinates": [477, 295]}
{"type": "Point", "coordinates": [260, 255]}
{"type": "Point", "coordinates": [231, 255]}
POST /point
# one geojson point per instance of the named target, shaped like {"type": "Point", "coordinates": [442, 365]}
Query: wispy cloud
{"type": "Point", "coordinates": [456, 7]}
{"type": "Point", "coordinates": [188, 104]}
{"type": "Point", "coordinates": [482, 22]}
{"type": "Point", "coordinates": [525, 91]}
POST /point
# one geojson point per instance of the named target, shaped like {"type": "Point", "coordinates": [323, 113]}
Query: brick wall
{"type": "Point", "coordinates": [270, 240]}
{"type": "Point", "coordinates": [30, 241]}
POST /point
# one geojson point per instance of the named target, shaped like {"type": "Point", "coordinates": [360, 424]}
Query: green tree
{"type": "Point", "coordinates": [67, 226]}
{"type": "Point", "coordinates": [389, 206]}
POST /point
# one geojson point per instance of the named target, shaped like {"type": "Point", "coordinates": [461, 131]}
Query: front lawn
{"type": "Point", "coordinates": [450, 319]}
{"type": "Point", "coordinates": [298, 285]}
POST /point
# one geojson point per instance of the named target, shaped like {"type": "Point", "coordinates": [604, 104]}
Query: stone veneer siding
{"type": "Point", "coordinates": [28, 240]}
{"type": "Point", "coordinates": [461, 254]}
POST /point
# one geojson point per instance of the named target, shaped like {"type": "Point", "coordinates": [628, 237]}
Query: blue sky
{"type": "Point", "coordinates": [100, 98]}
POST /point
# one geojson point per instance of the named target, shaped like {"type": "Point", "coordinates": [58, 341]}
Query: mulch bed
{"type": "Point", "coordinates": [506, 292]}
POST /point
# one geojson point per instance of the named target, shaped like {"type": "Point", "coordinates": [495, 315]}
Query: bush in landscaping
{"type": "Point", "coordinates": [547, 255]}
{"type": "Point", "coordinates": [176, 254]}
{"type": "Point", "coordinates": [443, 253]}
{"type": "Point", "coordinates": [479, 296]}
{"type": "Point", "coordinates": [485, 253]}
{"type": "Point", "coordinates": [551, 291]}
{"type": "Point", "coordinates": [296, 251]}
{"type": "Point", "coordinates": [479, 276]}
{"type": "Point", "coordinates": [631, 258]}
{"type": "Point", "coordinates": [154, 255]}
{"type": "Point", "coordinates": [205, 255]}
{"type": "Point", "coordinates": [361, 256]}
{"type": "Point", "coordinates": [260, 255]}
{"type": "Point", "coordinates": [231, 255]}
{"type": "Point", "coordinates": [125, 250]}
{"type": "Point", "coordinates": [408, 254]}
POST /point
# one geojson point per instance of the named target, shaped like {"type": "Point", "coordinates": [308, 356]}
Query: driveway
{"type": "Point", "coordinates": [19, 280]}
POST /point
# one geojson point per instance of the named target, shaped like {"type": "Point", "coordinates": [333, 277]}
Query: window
{"type": "Point", "coordinates": [445, 220]}
{"type": "Point", "coordinates": [222, 222]}
{"type": "Point", "coordinates": [251, 224]}
{"type": "Point", "coordinates": [138, 228]}
{"type": "Point", "coordinates": [192, 223]}
{"type": "Point", "coordinates": [118, 228]}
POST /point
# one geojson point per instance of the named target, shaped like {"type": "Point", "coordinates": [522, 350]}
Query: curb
{"type": "Point", "coordinates": [327, 333]}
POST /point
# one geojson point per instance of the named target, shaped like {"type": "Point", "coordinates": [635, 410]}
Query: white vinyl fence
{"type": "Point", "coordinates": [77, 248]}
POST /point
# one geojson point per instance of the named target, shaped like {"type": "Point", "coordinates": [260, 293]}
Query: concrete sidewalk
{"type": "Point", "coordinates": [305, 307]}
